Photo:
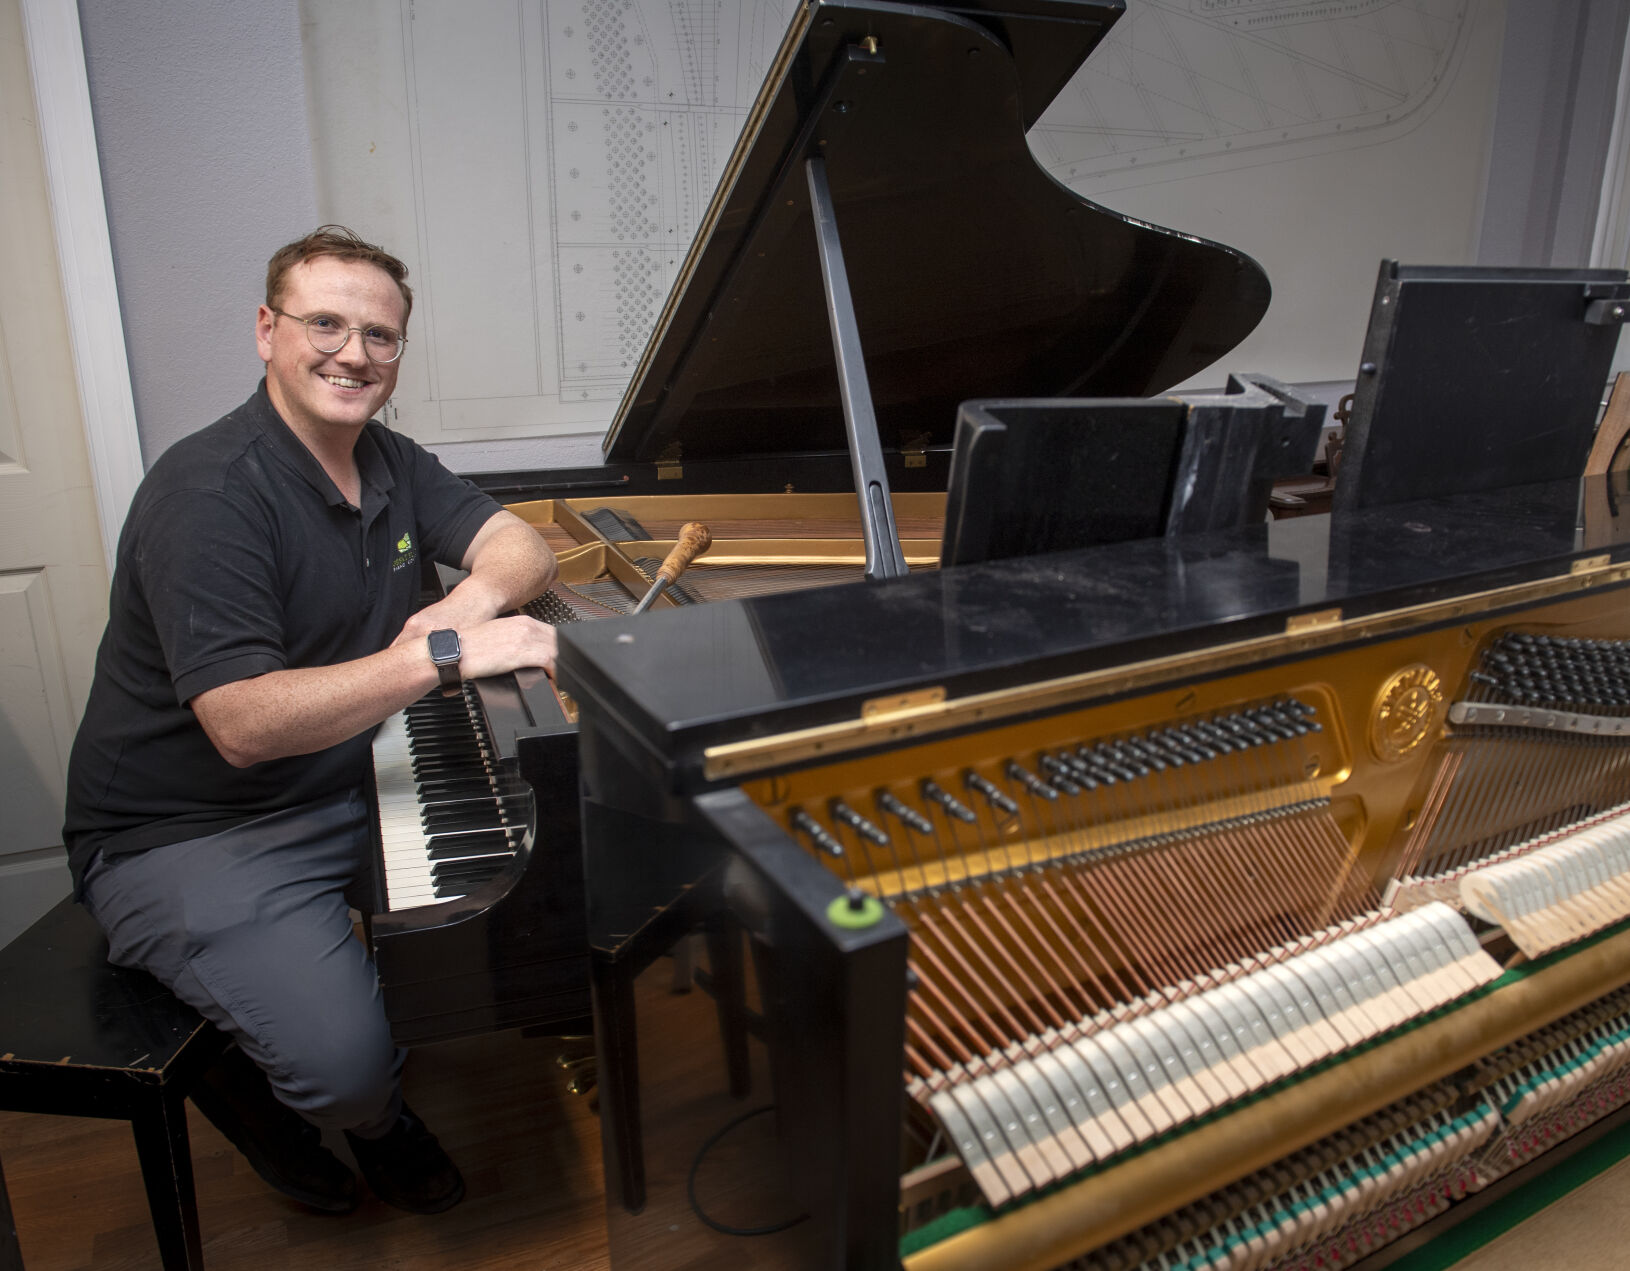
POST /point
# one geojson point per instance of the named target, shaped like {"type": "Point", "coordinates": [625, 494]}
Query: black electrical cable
{"type": "Point", "coordinates": [696, 1164]}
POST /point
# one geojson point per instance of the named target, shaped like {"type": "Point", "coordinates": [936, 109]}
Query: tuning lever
{"type": "Point", "coordinates": [694, 539]}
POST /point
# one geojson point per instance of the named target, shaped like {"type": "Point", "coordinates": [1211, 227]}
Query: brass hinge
{"type": "Point", "coordinates": [668, 466]}
{"type": "Point", "coordinates": [1299, 623]}
{"type": "Point", "coordinates": [880, 709]}
{"type": "Point", "coordinates": [914, 450]}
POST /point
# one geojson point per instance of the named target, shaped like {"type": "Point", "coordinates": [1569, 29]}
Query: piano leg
{"type": "Point", "coordinates": [11, 1255]}
{"type": "Point", "coordinates": [616, 1034]}
{"type": "Point", "coordinates": [617, 1041]}
{"type": "Point", "coordinates": [725, 982]}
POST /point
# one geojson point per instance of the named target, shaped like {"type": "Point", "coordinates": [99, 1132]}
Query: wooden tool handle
{"type": "Point", "coordinates": [694, 539]}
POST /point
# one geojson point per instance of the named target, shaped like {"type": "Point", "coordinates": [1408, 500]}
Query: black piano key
{"type": "Point", "coordinates": [462, 846]}
{"type": "Point", "coordinates": [448, 817]}
{"type": "Point", "coordinates": [453, 788]}
{"type": "Point", "coordinates": [465, 875]}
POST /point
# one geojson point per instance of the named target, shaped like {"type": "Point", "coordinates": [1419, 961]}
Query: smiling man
{"type": "Point", "coordinates": [261, 624]}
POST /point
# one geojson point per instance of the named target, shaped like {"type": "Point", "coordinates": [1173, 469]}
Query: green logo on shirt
{"type": "Point", "coordinates": [405, 555]}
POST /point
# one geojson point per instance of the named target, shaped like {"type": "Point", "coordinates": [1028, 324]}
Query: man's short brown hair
{"type": "Point", "coordinates": [334, 240]}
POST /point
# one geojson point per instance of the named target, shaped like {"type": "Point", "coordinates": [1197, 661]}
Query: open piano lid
{"type": "Point", "coordinates": [973, 272]}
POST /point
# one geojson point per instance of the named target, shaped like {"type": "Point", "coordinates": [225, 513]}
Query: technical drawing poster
{"type": "Point", "coordinates": [543, 164]}
{"type": "Point", "coordinates": [1319, 136]}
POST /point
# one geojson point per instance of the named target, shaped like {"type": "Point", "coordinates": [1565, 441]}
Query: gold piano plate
{"type": "Point", "coordinates": [1298, 835]}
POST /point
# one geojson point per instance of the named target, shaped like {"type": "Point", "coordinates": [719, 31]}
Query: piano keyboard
{"type": "Point", "coordinates": [450, 817]}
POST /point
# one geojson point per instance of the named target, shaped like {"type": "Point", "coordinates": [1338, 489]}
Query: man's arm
{"type": "Point", "coordinates": [305, 709]}
{"type": "Point", "coordinates": [509, 564]}
{"type": "Point", "coordinates": [300, 710]}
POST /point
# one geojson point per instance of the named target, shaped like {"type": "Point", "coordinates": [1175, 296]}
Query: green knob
{"type": "Point", "coordinates": [855, 911]}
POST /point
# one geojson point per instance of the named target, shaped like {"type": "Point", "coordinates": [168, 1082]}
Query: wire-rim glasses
{"type": "Point", "coordinates": [329, 334]}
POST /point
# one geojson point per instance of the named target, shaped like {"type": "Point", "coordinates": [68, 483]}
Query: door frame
{"type": "Point", "coordinates": [73, 174]}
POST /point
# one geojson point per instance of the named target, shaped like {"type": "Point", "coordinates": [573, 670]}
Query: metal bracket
{"type": "Point", "coordinates": [1606, 313]}
{"type": "Point", "coordinates": [884, 559]}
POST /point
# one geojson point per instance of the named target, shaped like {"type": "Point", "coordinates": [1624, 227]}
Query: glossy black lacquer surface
{"type": "Point", "coordinates": [973, 272]}
{"type": "Point", "coordinates": [1478, 378]}
{"type": "Point", "coordinates": [67, 1008]}
{"type": "Point", "coordinates": [80, 1037]}
{"type": "Point", "coordinates": [675, 682]}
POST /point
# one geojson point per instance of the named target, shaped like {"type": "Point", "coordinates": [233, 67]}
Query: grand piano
{"type": "Point", "coordinates": [881, 248]}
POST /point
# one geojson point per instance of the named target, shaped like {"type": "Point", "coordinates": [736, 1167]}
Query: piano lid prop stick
{"type": "Point", "coordinates": [694, 539]}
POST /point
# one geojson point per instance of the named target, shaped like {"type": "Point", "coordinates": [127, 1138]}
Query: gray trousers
{"type": "Point", "coordinates": [252, 928]}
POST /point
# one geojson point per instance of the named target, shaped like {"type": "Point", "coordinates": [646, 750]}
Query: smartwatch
{"type": "Point", "coordinates": [445, 653]}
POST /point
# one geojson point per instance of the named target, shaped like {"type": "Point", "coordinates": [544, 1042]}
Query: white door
{"type": "Point", "coordinates": [53, 580]}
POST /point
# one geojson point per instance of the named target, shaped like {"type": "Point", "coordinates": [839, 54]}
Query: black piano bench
{"type": "Point", "coordinates": [80, 1037]}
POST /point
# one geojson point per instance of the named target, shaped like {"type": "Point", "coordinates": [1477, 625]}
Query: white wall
{"type": "Point", "coordinates": [1558, 85]}
{"type": "Point", "coordinates": [202, 127]}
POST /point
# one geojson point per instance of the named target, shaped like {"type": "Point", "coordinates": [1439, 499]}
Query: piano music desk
{"type": "Point", "coordinates": [80, 1037]}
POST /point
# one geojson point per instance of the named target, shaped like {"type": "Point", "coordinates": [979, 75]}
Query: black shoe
{"type": "Point", "coordinates": [407, 1168]}
{"type": "Point", "coordinates": [282, 1146]}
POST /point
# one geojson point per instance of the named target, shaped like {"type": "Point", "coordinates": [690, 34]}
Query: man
{"type": "Point", "coordinates": [260, 626]}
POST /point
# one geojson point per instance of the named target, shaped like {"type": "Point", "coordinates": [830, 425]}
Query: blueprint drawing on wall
{"type": "Point", "coordinates": [1181, 87]}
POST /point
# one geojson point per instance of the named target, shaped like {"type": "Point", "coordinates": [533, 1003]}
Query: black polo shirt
{"type": "Point", "coordinates": [240, 556]}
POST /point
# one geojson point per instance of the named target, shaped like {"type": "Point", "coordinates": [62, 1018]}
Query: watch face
{"type": "Point", "coordinates": [444, 646]}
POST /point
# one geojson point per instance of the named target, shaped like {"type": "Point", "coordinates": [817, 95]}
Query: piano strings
{"type": "Point", "coordinates": [1500, 789]}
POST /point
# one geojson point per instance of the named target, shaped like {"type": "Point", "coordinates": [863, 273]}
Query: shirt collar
{"type": "Point", "coordinates": [377, 479]}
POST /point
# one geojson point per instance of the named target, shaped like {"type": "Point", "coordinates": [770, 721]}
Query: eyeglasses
{"type": "Point", "coordinates": [329, 334]}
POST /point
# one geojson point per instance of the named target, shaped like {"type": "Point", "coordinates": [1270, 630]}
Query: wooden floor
{"type": "Point", "coordinates": [530, 1153]}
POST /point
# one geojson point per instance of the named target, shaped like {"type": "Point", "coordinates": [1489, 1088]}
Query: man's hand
{"type": "Point", "coordinates": [506, 644]}
{"type": "Point", "coordinates": [509, 564]}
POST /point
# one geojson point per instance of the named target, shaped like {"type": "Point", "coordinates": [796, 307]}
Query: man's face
{"type": "Point", "coordinates": [319, 394]}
